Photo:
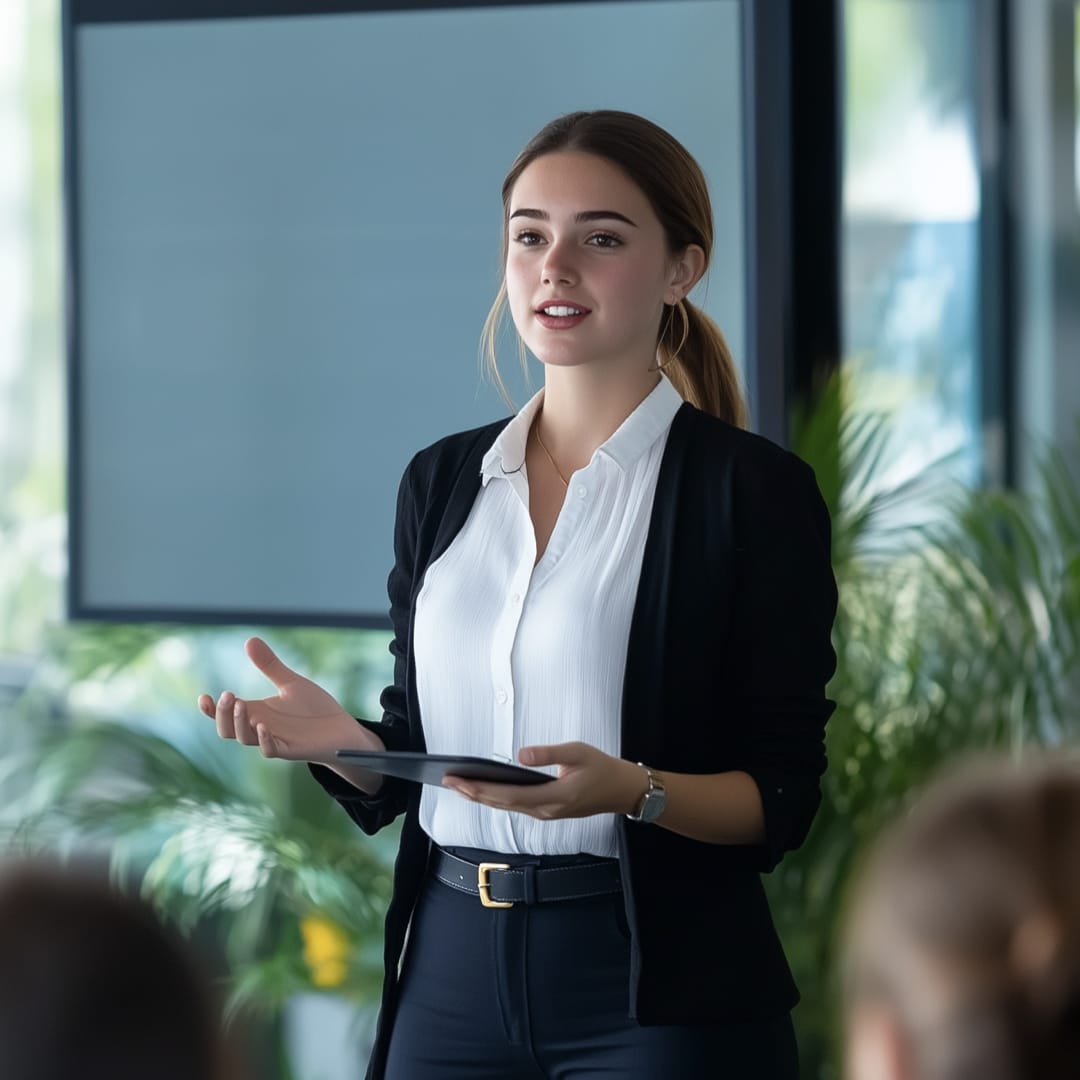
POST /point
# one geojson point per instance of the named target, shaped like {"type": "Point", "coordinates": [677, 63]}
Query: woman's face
{"type": "Point", "coordinates": [587, 269]}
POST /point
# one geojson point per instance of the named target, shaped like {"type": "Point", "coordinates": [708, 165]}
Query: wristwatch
{"type": "Point", "coordinates": [653, 801]}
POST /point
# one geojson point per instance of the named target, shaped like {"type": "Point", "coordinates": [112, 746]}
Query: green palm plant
{"type": "Point", "coordinates": [957, 630]}
{"type": "Point", "coordinates": [216, 835]}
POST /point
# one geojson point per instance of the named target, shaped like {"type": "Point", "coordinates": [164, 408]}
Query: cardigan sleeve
{"type": "Point", "coordinates": [372, 812]}
{"type": "Point", "coordinates": [785, 601]}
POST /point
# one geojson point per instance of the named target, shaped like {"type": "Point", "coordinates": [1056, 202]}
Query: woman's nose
{"type": "Point", "coordinates": [558, 266]}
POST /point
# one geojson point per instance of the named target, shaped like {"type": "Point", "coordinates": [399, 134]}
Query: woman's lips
{"type": "Point", "coordinates": [561, 316]}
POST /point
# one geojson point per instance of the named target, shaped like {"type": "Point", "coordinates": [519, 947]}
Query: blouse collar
{"type": "Point", "coordinates": [625, 445]}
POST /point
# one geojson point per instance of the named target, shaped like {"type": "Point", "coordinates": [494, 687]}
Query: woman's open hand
{"type": "Point", "coordinates": [589, 782]}
{"type": "Point", "coordinates": [301, 722]}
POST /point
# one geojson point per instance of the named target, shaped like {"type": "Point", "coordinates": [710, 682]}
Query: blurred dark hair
{"type": "Point", "coordinates": [967, 925]}
{"type": "Point", "coordinates": [92, 985]}
{"type": "Point", "coordinates": [691, 346]}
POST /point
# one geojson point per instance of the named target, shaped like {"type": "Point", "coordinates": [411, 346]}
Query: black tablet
{"type": "Point", "coordinates": [431, 768]}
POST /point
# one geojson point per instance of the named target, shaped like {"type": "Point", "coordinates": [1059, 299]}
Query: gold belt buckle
{"type": "Point", "coordinates": [484, 885]}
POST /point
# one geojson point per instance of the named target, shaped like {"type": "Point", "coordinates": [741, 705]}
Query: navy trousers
{"type": "Point", "coordinates": [541, 992]}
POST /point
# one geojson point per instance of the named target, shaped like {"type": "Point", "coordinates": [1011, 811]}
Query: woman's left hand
{"type": "Point", "coordinates": [589, 782]}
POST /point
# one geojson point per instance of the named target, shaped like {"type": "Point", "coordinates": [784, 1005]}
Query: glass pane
{"type": "Point", "coordinates": [911, 223]}
{"type": "Point", "coordinates": [32, 521]}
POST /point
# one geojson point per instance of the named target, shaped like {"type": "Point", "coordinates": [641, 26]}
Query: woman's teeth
{"type": "Point", "coordinates": [561, 311]}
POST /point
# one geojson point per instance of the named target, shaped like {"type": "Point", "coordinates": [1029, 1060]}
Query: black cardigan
{"type": "Point", "coordinates": [728, 657]}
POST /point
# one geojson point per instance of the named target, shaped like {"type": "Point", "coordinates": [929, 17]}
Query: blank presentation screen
{"type": "Point", "coordinates": [287, 234]}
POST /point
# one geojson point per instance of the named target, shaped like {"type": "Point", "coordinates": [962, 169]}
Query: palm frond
{"type": "Point", "coordinates": [958, 629]}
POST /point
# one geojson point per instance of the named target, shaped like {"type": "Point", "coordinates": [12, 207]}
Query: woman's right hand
{"type": "Point", "coordinates": [301, 722]}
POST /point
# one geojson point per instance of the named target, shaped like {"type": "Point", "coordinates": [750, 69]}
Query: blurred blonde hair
{"type": "Point", "coordinates": [966, 925]}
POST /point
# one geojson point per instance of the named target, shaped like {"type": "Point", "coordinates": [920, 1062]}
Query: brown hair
{"type": "Point", "coordinates": [693, 352]}
{"type": "Point", "coordinates": [92, 984]}
{"type": "Point", "coordinates": [967, 925]}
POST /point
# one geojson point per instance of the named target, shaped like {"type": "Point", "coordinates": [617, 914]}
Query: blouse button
{"type": "Point", "coordinates": [500, 697]}
{"type": "Point", "coordinates": [581, 491]}
{"type": "Point", "coordinates": [516, 598]}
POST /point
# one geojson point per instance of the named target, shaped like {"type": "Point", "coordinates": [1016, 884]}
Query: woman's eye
{"type": "Point", "coordinates": [604, 240]}
{"type": "Point", "coordinates": [527, 237]}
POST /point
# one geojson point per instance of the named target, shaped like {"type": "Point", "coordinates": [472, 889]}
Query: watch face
{"type": "Point", "coordinates": [655, 802]}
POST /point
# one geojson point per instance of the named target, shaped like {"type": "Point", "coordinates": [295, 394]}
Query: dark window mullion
{"type": "Point", "coordinates": [996, 288]}
{"type": "Point", "coordinates": [767, 127]}
{"type": "Point", "coordinates": [816, 184]}
{"type": "Point", "coordinates": [791, 57]}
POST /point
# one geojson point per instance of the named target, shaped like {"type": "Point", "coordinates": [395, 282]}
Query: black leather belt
{"type": "Point", "coordinates": [500, 885]}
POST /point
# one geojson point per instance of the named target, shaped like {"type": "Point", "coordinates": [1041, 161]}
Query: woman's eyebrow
{"type": "Point", "coordinates": [582, 215]}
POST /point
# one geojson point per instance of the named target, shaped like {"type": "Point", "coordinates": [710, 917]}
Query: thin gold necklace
{"type": "Point", "coordinates": [536, 432]}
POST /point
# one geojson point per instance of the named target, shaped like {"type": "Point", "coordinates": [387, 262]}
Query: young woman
{"type": "Point", "coordinates": [619, 583]}
{"type": "Point", "coordinates": [964, 943]}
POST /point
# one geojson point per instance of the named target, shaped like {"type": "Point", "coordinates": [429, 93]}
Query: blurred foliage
{"type": "Point", "coordinates": [215, 833]}
{"type": "Point", "coordinates": [958, 630]}
{"type": "Point", "coordinates": [32, 446]}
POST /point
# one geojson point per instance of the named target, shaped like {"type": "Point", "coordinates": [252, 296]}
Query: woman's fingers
{"type": "Point", "coordinates": [233, 718]}
{"type": "Point", "coordinates": [245, 732]}
{"type": "Point", "coordinates": [223, 715]}
{"type": "Point", "coordinates": [268, 745]}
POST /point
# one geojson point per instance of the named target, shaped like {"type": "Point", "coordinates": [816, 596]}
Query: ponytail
{"type": "Point", "coordinates": [694, 355]}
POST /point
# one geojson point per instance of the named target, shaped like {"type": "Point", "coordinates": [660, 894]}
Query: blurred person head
{"type": "Point", "coordinates": [93, 985]}
{"type": "Point", "coordinates": [963, 947]}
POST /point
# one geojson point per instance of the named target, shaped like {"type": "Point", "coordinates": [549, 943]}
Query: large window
{"type": "Point", "coordinates": [911, 206]}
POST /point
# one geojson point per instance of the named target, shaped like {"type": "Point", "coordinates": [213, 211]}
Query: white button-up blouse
{"type": "Point", "coordinates": [511, 655]}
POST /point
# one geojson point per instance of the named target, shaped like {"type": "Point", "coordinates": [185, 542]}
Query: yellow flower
{"type": "Point", "coordinates": [326, 950]}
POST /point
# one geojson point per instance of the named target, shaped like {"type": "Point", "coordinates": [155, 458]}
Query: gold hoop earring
{"type": "Point", "coordinates": [684, 315]}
